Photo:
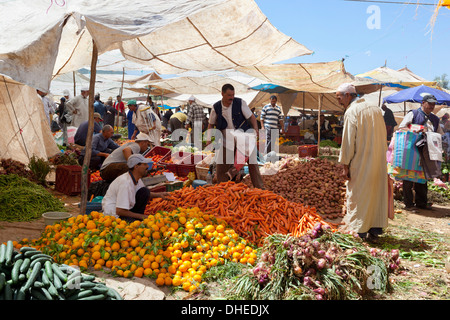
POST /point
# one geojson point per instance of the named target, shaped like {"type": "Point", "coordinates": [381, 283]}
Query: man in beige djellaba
{"type": "Point", "coordinates": [78, 107]}
{"type": "Point", "coordinates": [363, 156]}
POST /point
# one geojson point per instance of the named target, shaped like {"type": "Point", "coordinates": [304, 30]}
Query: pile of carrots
{"type": "Point", "coordinates": [253, 213]}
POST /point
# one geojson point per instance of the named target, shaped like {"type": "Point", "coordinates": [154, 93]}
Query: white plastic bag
{"type": "Point", "coordinates": [434, 142]}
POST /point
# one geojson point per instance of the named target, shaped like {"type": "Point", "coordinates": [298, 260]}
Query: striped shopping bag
{"type": "Point", "coordinates": [406, 155]}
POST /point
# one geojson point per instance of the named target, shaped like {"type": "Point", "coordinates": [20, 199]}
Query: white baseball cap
{"type": "Point", "coordinates": [142, 137]}
{"type": "Point", "coordinates": [135, 159]}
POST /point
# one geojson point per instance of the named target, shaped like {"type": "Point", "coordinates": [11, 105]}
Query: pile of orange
{"type": "Point", "coordinates": [175, 248]}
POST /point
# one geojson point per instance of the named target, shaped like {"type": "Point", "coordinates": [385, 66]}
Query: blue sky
{"type": "Point", "coordinates": [336, 29]}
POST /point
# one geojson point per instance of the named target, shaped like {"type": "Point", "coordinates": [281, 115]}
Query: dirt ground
{"type": "Point", "coordinates": [424, 231]}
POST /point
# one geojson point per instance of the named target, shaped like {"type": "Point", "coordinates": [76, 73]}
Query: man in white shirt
{"type": "Point", "coordinates": [116, 163]}
{"type": "Point", "coordinates": [127, 196]}
{"type": "Point", "coordinates": [78, 107]}
{"type": "Point", "coordinates": [49, 106]}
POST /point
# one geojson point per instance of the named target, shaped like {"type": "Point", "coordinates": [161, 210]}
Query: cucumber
{"type": "Point", "coordinates": [58, 272]}
{"type": "Point", "coordinates": [40, 259]}
{"type": "Point", "coordinates": [8, 291]}
{"type": "Point", "coordinates": [87, 285]}
{"type": "Point", "coordinates": [38, 284]}
{"type": "Point", "coordinates": [46, 293]}
{"type": "Point", "coordinates": [48, 269]}
{"type": "Point", "coordinates": [25, 249]}
{"type": "Point", "coordinates": [15, 271]}
{"type": "Point", "coordinates": [2, 254]}
{"type": "Point", "coordinates": [100, 289]}
{"type": "Point", "coordinates": [17, 256]}
{"type": "Point", "coordinates": [30, 253]}
{"type": "Point", "coordinates": [2, 281]}
{"type": "Point", "coordinates": [34, 274]}
{"type": "Point", "coordinates": [39, 255]}
{"type": "Point", "coordinates": [52, 290]}
{"type": "Point", "coordinates": [88, 278]}
{"type": "Point", "coordinates": [20, 294]}
{"type": "Point", "coordinates": [22, 277]}
{"type": "Point", "coordinates": [114, 294]}
{"type": "Point", "coordinates": [81, 294]}
{"type": "Point", "coordinates": [25, 265]}
{"type": "Point", "coordinates": [38, 294]}
{"type": "Point", "coordinates": [9, 253]}
{"type": "Point", "coordinates": [45, 279]}
{"type": "Point", "coordinates": [57, 282]}
{"type": "Point", "coordinates": [94, 297]}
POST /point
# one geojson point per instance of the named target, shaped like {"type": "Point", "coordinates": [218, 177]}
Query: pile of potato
{"type": "Point", "coordinates": [315, 183]}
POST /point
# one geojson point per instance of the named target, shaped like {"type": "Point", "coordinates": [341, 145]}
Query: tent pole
{"type": "Point", "coordinates": [379, 97]}
{"type": "Point", "coordinates": [404, 108]}
{"type": "Point", "coordinates": [74, 84]}
{"type": "Point", "coordinates": [304, 111]}
{"type": "Point", "coordinates": [90, 133]}
{"type": "Point", "coordinates": [120, 93]}
{"type": "Point", "coordinates": [318, 120]}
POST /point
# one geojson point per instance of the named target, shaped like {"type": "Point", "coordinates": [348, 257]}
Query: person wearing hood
{"type": "Point", "coordinates": [145, 121]}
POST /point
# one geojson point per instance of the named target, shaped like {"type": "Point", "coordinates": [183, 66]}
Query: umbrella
{"type": "Point", "coordinates": [416, 94]}
{"type": "Point", "coordinates": [272, 88]}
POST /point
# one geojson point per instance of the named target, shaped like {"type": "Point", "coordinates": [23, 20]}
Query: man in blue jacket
{"type": "Point", "coordinates": [227, 115]}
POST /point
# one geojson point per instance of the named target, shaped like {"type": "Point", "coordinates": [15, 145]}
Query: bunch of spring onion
{"type": "Point", "coordinates": [321, 265]}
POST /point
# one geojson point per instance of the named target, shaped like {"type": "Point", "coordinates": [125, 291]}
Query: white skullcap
{"type": "Point", "coordinates": [191, 98]}
{"type": "Point", "coordinates": [84, 89]}
{"type": "Point", "coordinates": [346, 88]}
{"type": "Point", "coordinates": [66, 93]}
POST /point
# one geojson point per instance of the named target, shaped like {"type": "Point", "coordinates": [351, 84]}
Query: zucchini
{"type": "Point", "coordinates": [25, 265]}
{"type": "Point", "coordinates": [88, 278]}
{"type": "Point", "coordinates": [114, 294]}
{"type": "Point", "coordinates": [52, 290]}
{"type": "Point", "coordinates": [30, 253]}
{"type": "Point", "coordinates": [58, 272]}
{"type": "Point", "coordinates": [20, 294]}
{"type": "Point", "coordinates": [94, 297]}
{"type": "Point", "coordinates": [57, 282]}
{"type": "Point", "coordinates": [38, 284]}
{"type": "Point", "coordinates": [46, 293]}
{"type": "Point", "coordinates": [81, 294]}
{"type": "Point", "coordinates": [45, 279]}
{"type": "Point", "coordinates": [40, 259]}
{"type": "Point", "coordinates": [39, 255]}
{"type": "Point", "coordinates": [17, 256]}
{"type": "Point", "coordinates": [38, 294]}
{"type": "Point", "coordinates": [22, 277]}
{"type": "Point", "coordinates": [48, 269]}
{"type": "Point", "coordinates": [34, 274]}
{"type": "Point", "coordinates": [87, 285]}
{"type": "Point", "coordinates": [100, 289]}
{"type": "Point", "coordinates": [2, 254]}
{"type": "Point", "coordinates": [25, 249]}
{"type": "Point", "coordinates": [8, 291]}
{"type": "Point", "coordinates": [15, 271]}
{"type": "Point", "coordinates": [2, 281]}
{"type": "Point", "coordinates": [9, 253]}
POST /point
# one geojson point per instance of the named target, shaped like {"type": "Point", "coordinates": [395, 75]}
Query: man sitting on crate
{"type": "Point", "coordinates": [116, 163]}
{"type": "Point", "coordinates": [127, 196]}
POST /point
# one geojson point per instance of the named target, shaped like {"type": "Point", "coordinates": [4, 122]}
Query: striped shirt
{"type": "Point", "coordinates": [271, 116]}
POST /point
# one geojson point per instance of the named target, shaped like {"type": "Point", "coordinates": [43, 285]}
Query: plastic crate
{"type": "Point", "coordinates": [160, 151]}
{"type": "Point", "coordinates": [68, 180]}
{"type": "Point", "coordinates": [188, 164]}
{"type": "Point", "coordinates": [308, 150]}
{"type": "Point", "coordinates": [174, 186]}
{"type": "Point", "coordinates": [92, 206]}
{"type": "Point", "coordinates": [177, 159]}
{"type": "Point", "coordinates": [158, 189]}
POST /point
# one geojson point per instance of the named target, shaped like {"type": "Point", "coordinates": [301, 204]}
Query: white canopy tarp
{"type": "Point", "coordinates": [324, 77]}
{"type": "Point", "coordinates": [171, 36]}
{"type": "Point", "coordinates": [25, 130]}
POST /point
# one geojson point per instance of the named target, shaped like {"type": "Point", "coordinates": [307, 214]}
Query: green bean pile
{"type": "Point", "coordinates": [23, 200]}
